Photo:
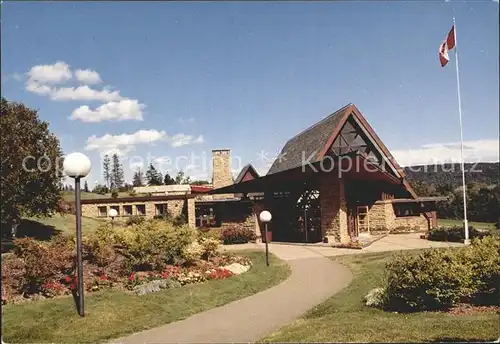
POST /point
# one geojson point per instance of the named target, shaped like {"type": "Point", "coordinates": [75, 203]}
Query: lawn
{"type": "Point", "coordinates": [456, 222]}
{"type": "Point", "coordinates": [344, 317]}
{"type": "Point", "coordinates": [112, 314]}
{"type": "Point", "coordinates": [69, 196]}
{"type": "Point", "coordinates": [58, 223]}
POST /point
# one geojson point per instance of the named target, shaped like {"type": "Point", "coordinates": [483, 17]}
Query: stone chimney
{"type": "Point", "coordinates": [221, 170]}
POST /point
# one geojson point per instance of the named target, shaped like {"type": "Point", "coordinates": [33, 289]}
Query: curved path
{"type": "Point", "coordinates": [314, 278]}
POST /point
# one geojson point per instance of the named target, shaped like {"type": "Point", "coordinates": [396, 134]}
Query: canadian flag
{"type": "Point", "coordinates": [448, 44]}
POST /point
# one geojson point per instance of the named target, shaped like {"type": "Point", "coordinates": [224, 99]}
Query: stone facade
{"type": "Point", "coordinates": [221, 171]}
{"type": "Point", "coordinates": [100, 208]}
{"type": "Point", "coordinates": [383, 217]}
{"type": "Point", "coordinates": [333, 208]}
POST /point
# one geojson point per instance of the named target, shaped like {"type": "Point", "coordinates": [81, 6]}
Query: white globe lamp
{"type": "Point", "coordinates": [265, 217]}
{"type": "Point", "coordinates": [77, 166]}
{"type": "Point", "coordinates": [112, 213]}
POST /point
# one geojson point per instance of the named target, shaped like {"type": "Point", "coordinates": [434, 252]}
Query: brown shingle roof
{"type": "Point", "coordinates": [309, 142]}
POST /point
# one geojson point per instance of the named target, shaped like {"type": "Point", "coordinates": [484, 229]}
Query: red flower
{"type": "Point", "coordinates": [103, 277]}
{"type": "Point", "coordinates": [131, 277]}
{"type": "Point", "coordinates": [68, 279]}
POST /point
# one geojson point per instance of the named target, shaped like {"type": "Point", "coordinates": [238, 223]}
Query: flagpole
{"type": "Point", "coordinates": [464, 190]}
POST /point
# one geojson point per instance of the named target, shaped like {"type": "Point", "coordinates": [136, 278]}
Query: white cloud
{"type": "Point", "coordinates": [179, 140]}
{"type": "Point", "coordinates": [437, 153]}
{"type": "Point", "coordinates": [126, 109]}
{"type": "Point", "coordinates": [37, 88]}
{"type": "Point", "coordinates": [88, 76]}
{"type": "Point", "coordinates": [123, 143]}
{"type": "Point", "coordinates": [50, 74]}
{"type": "Point", "coordinates": [84, 93]}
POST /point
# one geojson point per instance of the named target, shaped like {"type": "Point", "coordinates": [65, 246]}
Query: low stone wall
{"type": "Point", "coordinates": [176, 207]}
{"type": "Point", "coordinates": [382, 217]}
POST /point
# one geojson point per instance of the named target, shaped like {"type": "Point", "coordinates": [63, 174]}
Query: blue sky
{"type": "Point", "coordinates": [171, 80]}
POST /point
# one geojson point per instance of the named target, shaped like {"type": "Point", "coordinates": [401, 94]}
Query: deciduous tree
{"type": "Point", "coordinates": [31, 168]}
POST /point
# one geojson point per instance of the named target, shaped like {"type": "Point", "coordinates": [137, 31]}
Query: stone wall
{"type": "Point", "coordinates": [333, 208]}
{"type": "Point", "coordinates": [175, 207]}
{"type": "Point", "coordinates": [382, 217]}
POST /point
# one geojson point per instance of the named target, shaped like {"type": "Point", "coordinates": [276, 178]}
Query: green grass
{"type": "Point", "coordinates": [112, 314]}
{"type": "Point", "coordinates": [344, 317]}
{"type": "Point", "coordinates": [45, 228]}
{"type": "Point", "coordinates": [456, 222]}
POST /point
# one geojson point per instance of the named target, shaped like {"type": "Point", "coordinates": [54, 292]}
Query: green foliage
{"type": "Point", "coordinates": [152, 244]}
{"type": "Point", "coordinates": [117, 177]}
{"type": "Point", "coordinates": [455, 234]}
{"type": "Point", "coordinates": [209, 245]}
{"type": "Point", "coordinates": [237, 235]}
{"type": "Point", "coordinates": [135, 220]}
{"type": "Point", "coordinates": [114, 194]}
{"type": "Point", "coordinates": [153, 177]}
{"type": "Point", "coordinates": [106, 170]}
{"type": "Point", "coordinates": [440, 278]}
{"type": "Point", "coordinates": [27, 189]}
{"type": "Point", "coordinates": [168, 180]}
{"type": "Point", "coordinates": [100, 189]}
{"type": "Point", "coordinates": [200, 182]}
{"type": "Point", "coordinates": [138, 178]}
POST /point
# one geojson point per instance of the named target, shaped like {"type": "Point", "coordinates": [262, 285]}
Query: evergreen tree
{"type": "Point", "coordinates": [138, 178]}
{"type": "Point", "coordinates": [86, 187]}
{"type": "Point", "coordinates": [106, 170]}
{"type": "Point", "coordinates": [153, 176]}
{"type": "Point", "coordinates": [168, 180]}
{"type": "Point", "coordinates": [117, 177]}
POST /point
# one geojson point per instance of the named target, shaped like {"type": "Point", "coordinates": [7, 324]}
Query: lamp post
{"type": "Point", "coordinates": [112, 213]}
{"type": "Point", "coordinates": [265, 217]}
{"type": "Point", "coordinates": [77, 166]}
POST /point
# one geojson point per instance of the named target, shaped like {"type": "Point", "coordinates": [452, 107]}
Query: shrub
{"type": "Point", "coordinates": [114, 194]}
{"type": "Point", "coordinates": [438, 279]}
{"type": "Point", "coordinates": [485, 257]}
{"type": "Point", "coordinates": [432, 280]}
{"type": "Point", "coordinates": [237, 235]}
{"type": "Point", "coordinates": [148, 246]}
{"type": "Point", "coordinates": [135, 220]}
{"type": "Point", "coordinates": [192, 252]}
{"type": "Point", "coordinates": [455, 234]}
{"type": "Point", "coordinates": [377, 297]}
{"type": "Point", "coordinates": [210, 246]}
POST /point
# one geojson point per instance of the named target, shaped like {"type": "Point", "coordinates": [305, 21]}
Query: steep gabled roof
{"type": "Point", "coordinates": [246, 170]}
{"type": "Point", "coordinates": [314, 143]}
{"type": "Point", "coordinates": [308, 142]}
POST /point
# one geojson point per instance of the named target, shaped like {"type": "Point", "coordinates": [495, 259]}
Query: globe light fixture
{"type": "Point", "coordinates": [265, 217]}
{"type": "Point", "coordinates": [112, 213]}
{"type": "Point", "coordinates": [77, 166]}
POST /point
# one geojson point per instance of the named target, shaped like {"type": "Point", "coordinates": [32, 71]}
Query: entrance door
{"type": "Point", "coordinates": [309, 217]}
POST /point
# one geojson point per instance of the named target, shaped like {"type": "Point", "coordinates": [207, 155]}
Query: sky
{"type": "Point", "coordinates": [167, 82]}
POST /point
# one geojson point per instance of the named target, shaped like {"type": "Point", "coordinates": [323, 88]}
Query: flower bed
{"type": "Point", "coordinates": [138, 258]}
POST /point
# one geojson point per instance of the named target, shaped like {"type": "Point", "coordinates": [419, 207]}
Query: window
{"type": "Point", "coordinates": [117, 208]}
{"type": "Point", "coordinates": [402, 210]}
{"type": "Point", "coordinates": [102, 211]}
{"type": "Point", "coordinates": [160, 209]}
{"type": "Point", "coordinates": [127, 210]}
{"type": "Point", "coordinates": [141, 209]}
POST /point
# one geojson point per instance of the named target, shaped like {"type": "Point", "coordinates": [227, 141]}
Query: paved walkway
{"type": "Point", "coordinates": [395, 242]}
{"type": "Point", "coordinates": [314, 278]}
